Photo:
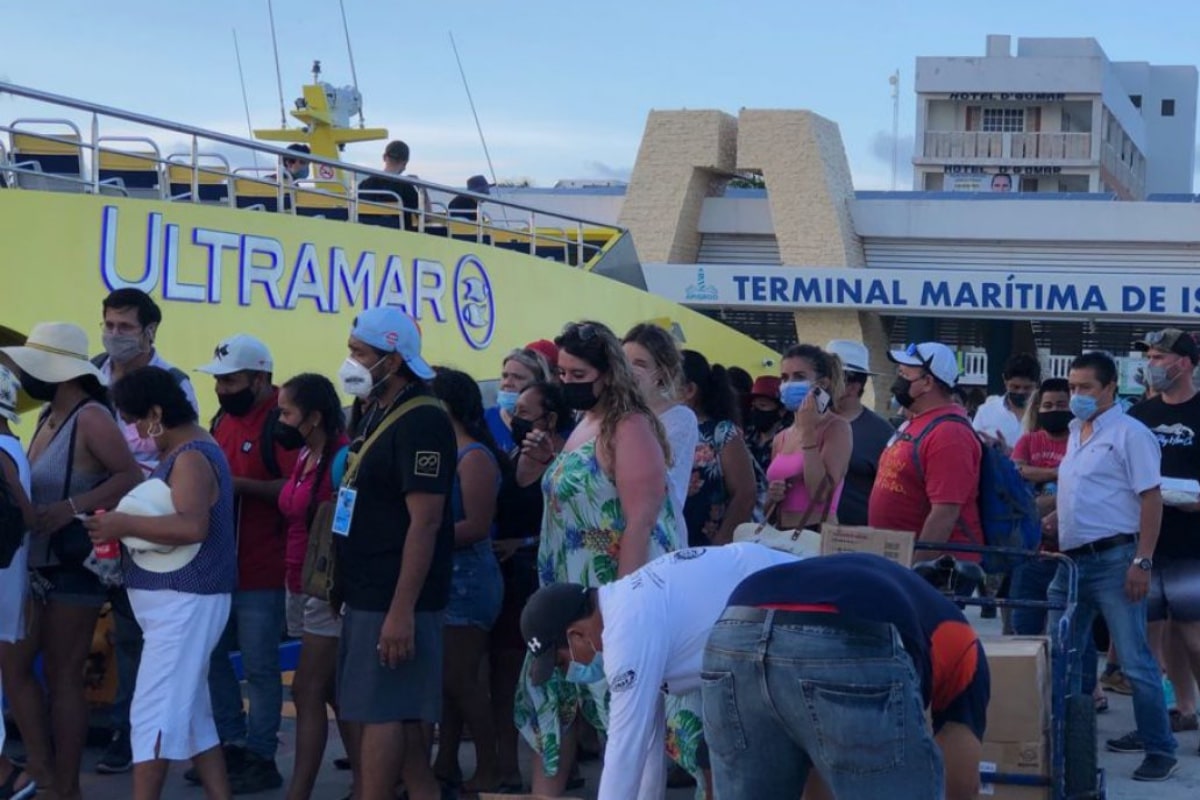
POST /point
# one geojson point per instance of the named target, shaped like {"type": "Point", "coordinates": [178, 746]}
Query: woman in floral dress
{"type": "Point", "coordinates": [607, 513]}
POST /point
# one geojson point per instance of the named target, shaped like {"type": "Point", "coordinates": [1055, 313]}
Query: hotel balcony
{"type": "Point", "coordinates": [968, 146]}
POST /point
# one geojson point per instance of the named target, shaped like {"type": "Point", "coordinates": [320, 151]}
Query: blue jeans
{"type": "Point", "coordinates": [255, 628]}
{"type": "Point", "coordinates": [476, 587]}
{"type": "Point", "coordinates": [1031, 581]}
{"type": "Point", "coordinates": [787, 693]}
{"type": "Point", "coordinates": [1102, 591]}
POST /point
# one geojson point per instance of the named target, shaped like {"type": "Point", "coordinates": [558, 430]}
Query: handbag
{"type": "Point", "coordinates": [800, 541]}
{"type": "Point", "coordinates": [71, 544]}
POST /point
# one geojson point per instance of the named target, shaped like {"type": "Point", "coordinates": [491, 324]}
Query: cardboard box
{"type": "Point", "coordinates": [893, 545]}
{"type": "Point", "coordinates": [995, 791]}
{"type": "Point", "coordinates": [1016, 758]}
{"type": "Point", "coordinates": [1019, 710]}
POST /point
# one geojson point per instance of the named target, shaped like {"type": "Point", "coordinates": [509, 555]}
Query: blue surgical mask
{"type": "Point", "coordinates": [507, 401]}
{"type": "Point", "coordinates": [586, 674]}
{"type": "Point", "coordinates": [792, 393]}
{"type": "Point", "coordinates": [1084, 406]}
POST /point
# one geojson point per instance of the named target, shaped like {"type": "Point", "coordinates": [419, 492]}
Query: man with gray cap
{"type": "Point", "coordinates": [928, 480]}
{"type": "Point", "coordinates": [871, 432]}
{"type": "Point", "coordinates": [395, 541]}
{"type": "Point", "coordinates": [644, 635]}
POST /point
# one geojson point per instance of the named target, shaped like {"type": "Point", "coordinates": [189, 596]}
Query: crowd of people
{"type": "Point", "coordinates": [606, 465]}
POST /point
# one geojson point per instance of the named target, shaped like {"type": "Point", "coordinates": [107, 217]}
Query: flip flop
{"type": "Point", "coordinates": [9, 790]}
{"type": "Point", "coordinates": [1101, 704]}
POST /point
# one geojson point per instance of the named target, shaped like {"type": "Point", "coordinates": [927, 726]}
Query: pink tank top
{"type": "Point", "coordinates": [790, 467]}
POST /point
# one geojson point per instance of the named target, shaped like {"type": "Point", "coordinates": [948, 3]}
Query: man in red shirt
{"type": "Point", "coordinates": [928, 478]}
{"type": "Point", "coordinates": [245, 430]}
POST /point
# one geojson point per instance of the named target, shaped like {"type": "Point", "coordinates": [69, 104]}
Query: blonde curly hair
{"type": "Point", "coordinates": [595, 343]}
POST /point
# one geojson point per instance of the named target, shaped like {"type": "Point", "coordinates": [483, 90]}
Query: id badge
{"type": "Point", "coordinates": [344, 511]}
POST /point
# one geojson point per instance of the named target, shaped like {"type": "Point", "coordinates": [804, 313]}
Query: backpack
{"type": "Point", "coordinates": [266, 441]}
{"type": "Point", "coordinates": [179, 375]}
{"type": "Point", "coordinates": [1007, 512]}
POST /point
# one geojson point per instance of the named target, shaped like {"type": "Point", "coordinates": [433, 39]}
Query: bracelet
{"type": "Point", "coordinates": [71, 503]}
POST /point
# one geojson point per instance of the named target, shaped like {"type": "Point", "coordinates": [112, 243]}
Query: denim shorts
{"type": "Point", "coordinates": [476, 588]}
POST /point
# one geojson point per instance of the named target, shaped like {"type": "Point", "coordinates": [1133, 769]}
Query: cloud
{"type": "Point", "coordinates": [602, 170]}
{"type": "Point", "coordinates": [882, 143]}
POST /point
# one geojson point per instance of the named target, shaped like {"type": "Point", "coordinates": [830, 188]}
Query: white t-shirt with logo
{"type": "Point", "coordinates": [656, 624]}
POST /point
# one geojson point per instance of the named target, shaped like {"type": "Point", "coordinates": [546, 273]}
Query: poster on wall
{"type": "Point", "coordinates": [1004, 182]}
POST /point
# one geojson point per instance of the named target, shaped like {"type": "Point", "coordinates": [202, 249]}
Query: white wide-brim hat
{"type": "Point", "coordinates": [152, 498]}
{"type": "Point", "coordinates": [55, 352]}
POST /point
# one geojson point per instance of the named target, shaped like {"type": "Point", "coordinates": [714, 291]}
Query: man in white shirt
{"type": "Point", "coordinates": [1107, 519]}
{"type": "Point", "coordinates": [1002, 417]}
{"type": "Point", "coordinates": [645, 635]}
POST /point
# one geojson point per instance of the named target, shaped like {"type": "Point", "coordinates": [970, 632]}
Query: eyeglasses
{"type": "Point", "coordinates": [120, 328]}
{"type": "Point", "coordinates": [585, 331]}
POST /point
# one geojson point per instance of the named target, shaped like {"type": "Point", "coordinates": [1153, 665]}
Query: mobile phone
{"type": "Point", "coordinates": [822, 399]}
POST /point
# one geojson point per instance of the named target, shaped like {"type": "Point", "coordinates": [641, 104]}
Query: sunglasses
{"type": "Point", "coordinates": [584, 331]}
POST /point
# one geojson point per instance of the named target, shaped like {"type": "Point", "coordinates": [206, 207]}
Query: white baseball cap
{"type": "Point", "coordinates": [239, 353]}
{"type": "Point", "coordinates": [932, 356]}
{"type": "Point", "coordinates": [390, 330]}
{"type": "Point", "coordinates": [152, 498]}
{"type": "Point", "coordinates": [854, 355]}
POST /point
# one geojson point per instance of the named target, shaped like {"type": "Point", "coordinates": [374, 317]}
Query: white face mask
{"type": "Point", "coordinates": [356, 379]}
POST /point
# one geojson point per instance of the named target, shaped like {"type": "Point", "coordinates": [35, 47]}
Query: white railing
{"type": "Point", "coordinates": [1131, 178]}
{"type": "Point", "coordinates": [978, 145]}
{"type": "Point", "coordinates": [1055, 366]}
{"type": "Point", "coordinates": [973, 367]}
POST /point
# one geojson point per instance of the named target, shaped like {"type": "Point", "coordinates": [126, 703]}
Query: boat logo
{"type": "Point", "coordinates": [474, 302]}
{"type": "Point", "coordinates": [700, 291]}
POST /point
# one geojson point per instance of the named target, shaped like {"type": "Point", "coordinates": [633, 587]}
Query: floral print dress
{"type": "Point", "coordinates": [581, 536]}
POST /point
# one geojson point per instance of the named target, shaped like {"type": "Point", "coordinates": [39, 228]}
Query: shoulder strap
{"type": "Point", "coordinates": [916, 441]}
{"type": "Point", "coordinates": [179, 375]}
{"type": "Point", "coordinates": [99, 361]}
{"type": "Point", "coordinates": [355, 459]}
{"type": "Point", "coordinates": [266, 444]}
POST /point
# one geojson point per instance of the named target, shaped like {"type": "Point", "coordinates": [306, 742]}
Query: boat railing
{"type": "Point", "coordinates": [58, 155]}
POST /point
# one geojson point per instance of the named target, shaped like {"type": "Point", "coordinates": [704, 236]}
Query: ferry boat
{"type": "Point", "coordinates": [94, 198]}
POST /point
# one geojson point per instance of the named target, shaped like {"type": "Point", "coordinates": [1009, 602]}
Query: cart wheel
{"type": "Point", "coordinates": [1079, 749]}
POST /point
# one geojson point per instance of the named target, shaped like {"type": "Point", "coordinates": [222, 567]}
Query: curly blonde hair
{"type": "Point", "coordinates": [595, 343]}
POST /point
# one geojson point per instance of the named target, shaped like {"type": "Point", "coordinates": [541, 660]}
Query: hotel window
{"type": "Point", "coordinates": [1136, 99]}
{"type": "Point", "coordinates": [1168, 108]}
{"type": "Point", "coordinates": [1003, 120]}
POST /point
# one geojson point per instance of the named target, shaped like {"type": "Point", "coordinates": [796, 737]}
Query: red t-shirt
{"type": "Point", "coordinates": [1040, 449]}
{"type": "Point", "coordinates": [950, 456]}
{"type": "Point", "coordinates": [259, 527]}
{"type": "Point", "coordinates": [295, 498]}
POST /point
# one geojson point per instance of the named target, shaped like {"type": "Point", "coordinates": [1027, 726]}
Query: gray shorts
{"type": "Point", "coordinates": [1174, 590]}
{"type": "Point", "coordinates": [369, 692]}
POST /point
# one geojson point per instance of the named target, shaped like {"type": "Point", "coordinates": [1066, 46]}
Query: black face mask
{"type": "Point", "coordinates": [1055, 422]}
{"type": "Point", "coordinates": [40, 390]}
{"type": "Point", "coordinates": [900, 388]}
{"type": "Point", "coordinates": [580, 396]}
{"type": "Point", "coordinates": [287, 436]}
{"type": "Point", "coordinates": [520, 429]}
{"type": "Point", "coordinates": [762, 419]}
{"type": "Point", "coordinates": [1018, 399]}
{"type": "Point", "coordinates": [237, 404]}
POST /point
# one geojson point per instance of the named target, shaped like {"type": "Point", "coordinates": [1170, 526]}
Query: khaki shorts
{"type": "Point", "coordinates": [306, 614]}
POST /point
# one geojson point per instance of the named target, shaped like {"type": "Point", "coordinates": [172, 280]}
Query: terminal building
{"type": "Point", "coordinates": [1053, 266]}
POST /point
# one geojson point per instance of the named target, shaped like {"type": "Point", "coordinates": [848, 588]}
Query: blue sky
{"type": "Point", "coordinates": [562, 88]}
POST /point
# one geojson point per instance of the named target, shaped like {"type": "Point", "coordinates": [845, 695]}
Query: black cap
{"type": "Point", "coordinates": [1171, 340]}
{"type": "Point", "coordinates": [544, 623]}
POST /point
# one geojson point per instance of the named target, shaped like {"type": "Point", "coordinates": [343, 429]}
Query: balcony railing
{"type": "Point", "coordinates": [1131, 177]}
{"type": "Point", "coordinates": [977, 145]}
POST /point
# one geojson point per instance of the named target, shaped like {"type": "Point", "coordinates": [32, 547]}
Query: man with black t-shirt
{"type": "Point", "coordinates": [395, 537]}
{"type": "Point", "coordinates": [386, 190]}
{"type": "Point", "coordinates": [1174, 417]}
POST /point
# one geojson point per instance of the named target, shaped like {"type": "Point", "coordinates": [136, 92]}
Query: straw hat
{"type": "Point", "coordinates": [152, 498]}
{"type": "Point", "coordinates": [55, 352]}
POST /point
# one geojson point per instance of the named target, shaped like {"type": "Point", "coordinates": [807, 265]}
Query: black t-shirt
{"type": "Point", "coordinates": [518, 508]}
{"type": "Point", "coordinates": [398, 186]}
{"type": "Point", "coordinates": [1176, 427]}
{"type": "Point", "coordinates": [955, 682]}
{"type": "Point", "coordinates": [871, 434]}
{"type": "Point", "coordinates": [417, 453]}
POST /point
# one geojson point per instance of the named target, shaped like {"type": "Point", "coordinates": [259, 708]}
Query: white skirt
{"type": "Point", "coordinates": [171, 716]}
{"type": "Point", "coordinates": [14, 591]}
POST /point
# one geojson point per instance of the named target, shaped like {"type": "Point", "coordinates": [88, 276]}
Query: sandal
{"type": "Point", "coordinates": [1101, 704]}
{"type": "Point", "coordinates": [9, 790]}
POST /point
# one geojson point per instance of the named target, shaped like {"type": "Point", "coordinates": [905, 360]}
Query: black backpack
{"type": "Point", "coordinates": [179, 375]}
{"type": "Point", "coordinates": [266, 441]}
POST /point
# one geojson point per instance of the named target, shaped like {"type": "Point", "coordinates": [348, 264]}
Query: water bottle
{"type": "Point", "coordinates": [1050, 489]}
{"type": "Point", "coordinates": [1168, 692]}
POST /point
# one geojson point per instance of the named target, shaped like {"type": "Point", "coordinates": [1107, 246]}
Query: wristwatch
{"type": "Point", "coordinates": [1144, 564]}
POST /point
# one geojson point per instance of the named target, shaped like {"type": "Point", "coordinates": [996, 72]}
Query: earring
{"type": "Point", "coordinates": [155, 434]}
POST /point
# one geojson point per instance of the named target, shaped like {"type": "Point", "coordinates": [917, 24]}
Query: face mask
{"type": "Point", "coordinates": [1160, 378]}
{"type": "Point", "coordinates": [1018, 399]}
{"type": "Point", "coordinates": [122, 347]}
{"type": "Point", "coordinates": [288, 437]}
{"type": "Point", "coordinates": [507, 400]}
{"type": "Point", "coordinates": [42, 391]}
{"type": "Point", "coordinates": [1055, 422]}
{"type": "Point", "coordinates": [1084, 406]}
{"type": "Point", "coordinates": [793, 393]}
{"type": "Point", "coordinates": [237, 404]}
{"type": "Point", "coordinates": [300, 173]}
{"type": "Point", "coordinates": [520, 429]}
{"type": "Point", "coordinates": [580, 396]}
{"type": "Point", "coordinates": [356, 379]}
{"type": "Point", "coordinates": [586, 674]}
{"type": "Point", "coordinates": [900, 391]}
{"type": "Point", "coordinates": [763, 419]}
